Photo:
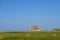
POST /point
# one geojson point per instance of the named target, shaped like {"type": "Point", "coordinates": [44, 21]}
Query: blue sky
{"type": "Point", "coordinates": [22, 14]}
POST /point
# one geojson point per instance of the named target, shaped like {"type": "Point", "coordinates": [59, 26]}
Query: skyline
{"type": "Point", "coordinates": [22, 14]}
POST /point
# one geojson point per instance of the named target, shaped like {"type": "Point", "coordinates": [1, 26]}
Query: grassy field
{"type": "Point", "coordinates": [29, 35]}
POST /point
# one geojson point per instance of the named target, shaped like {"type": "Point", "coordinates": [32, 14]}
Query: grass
{"type": "Point", "coordinates": [30, 36]}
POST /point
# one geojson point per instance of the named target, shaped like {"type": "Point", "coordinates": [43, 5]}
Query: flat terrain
{"type": "Point", "coordinates": [29, 35]}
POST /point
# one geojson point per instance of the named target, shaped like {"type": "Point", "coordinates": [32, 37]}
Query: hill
{"type": "Point", "coordinates": [29, 35]}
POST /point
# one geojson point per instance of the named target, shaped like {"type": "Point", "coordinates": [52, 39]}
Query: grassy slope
{"type": "Point", "coordinates": [30, 36]}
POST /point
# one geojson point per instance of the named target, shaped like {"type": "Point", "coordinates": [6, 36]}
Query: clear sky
{"type": "Point", "coordinates": [22, 14]}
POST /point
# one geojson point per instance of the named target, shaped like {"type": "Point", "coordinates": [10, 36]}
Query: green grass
{"type": "Point", "coordinates": [30, 36]}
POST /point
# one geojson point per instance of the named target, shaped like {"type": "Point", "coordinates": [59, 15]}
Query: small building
{"type": "Point", "coordinates": [34, 28]}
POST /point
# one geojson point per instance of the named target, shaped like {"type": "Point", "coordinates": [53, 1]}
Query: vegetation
{"type": "Point", "coordinates": [29, 35]}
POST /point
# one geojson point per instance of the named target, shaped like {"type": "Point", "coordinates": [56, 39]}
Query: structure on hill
{"type": "Point", "coordinates": [34, 28]}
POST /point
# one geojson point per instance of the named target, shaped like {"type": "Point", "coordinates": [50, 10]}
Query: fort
{"type": "Point", "coordinates": [34, 28]}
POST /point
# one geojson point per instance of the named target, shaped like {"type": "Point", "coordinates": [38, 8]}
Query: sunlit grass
{"type": "Point", "coordinates": [30, 36]}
